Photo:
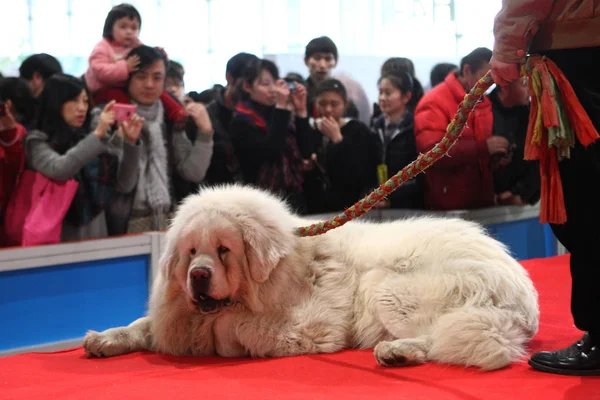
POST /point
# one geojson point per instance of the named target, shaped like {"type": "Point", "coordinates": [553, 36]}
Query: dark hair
{"type": "Point", "coordinates": [294, 77]}
{"type": "Point", "coordinates": [59, 89]}
{"type": "Point", "coordinates": [236, 64]}
{"type": "Point", "coordinates": [117, 12]}
{"type": "Point", "coordinates": [18, 92]}
{"type": "Point", "coordinates": [321, 44]}
{"type": "Point", "coordinates": [440, 71]}
{"type": "Point", "coordinates": [402, 68]}
{"type": "Point", "coordinates": [148, 56]}
{"type": "Point", "coordinates": [351, 111]}
{"type": "Point", "coordinates": [175, 66]}
{"type": "Point", "coordinates": [174, 73]}
{"type": "Point", "coordinates": [400, 80]}
{"type": "Point", "coordinates": [42, 63]}
{"type": "Point", "coordinates": [331, 85]}
{"type": "Point", "coordinates": [397, 64]}
{"type": "Point", "coordinates": [406, 83]}
{"type": "Point", "coordinates": [476, 59]}
{"type": "Point", "coordinates": [251, 74]}
{"type": "Point", "coordinates": [206, 96]}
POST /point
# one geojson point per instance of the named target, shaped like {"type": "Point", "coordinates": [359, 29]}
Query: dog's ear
{"type": "Point", "coordinates": [266, 242]}
{"type": "Point", "coordinates": [169, 258]}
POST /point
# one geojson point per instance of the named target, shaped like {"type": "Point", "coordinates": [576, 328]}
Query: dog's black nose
{"type": "Point", "coordinates": [200, 279]}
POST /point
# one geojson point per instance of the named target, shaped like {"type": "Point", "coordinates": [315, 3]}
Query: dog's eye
{"type": "Point", "coordinates": [193, 251]}
{"type": "Point", "coordinates": [222, 250]}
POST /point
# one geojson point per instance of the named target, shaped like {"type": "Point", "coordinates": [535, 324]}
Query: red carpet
{"type": "Point", "coordinates": [346, 375]}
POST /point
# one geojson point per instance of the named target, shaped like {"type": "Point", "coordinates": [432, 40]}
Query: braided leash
{"type": "Point", "coordinates": [422, 162]}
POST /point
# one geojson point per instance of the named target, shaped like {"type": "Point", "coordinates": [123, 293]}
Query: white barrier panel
{"type": "Point", "coordinates": [53, 294]}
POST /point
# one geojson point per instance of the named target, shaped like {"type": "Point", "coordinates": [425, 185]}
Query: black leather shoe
{"type": "Point", "coordinates": [580, 359]}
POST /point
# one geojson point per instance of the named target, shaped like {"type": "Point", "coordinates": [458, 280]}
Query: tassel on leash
{"type": "Point", "coordinates": [556, 120]}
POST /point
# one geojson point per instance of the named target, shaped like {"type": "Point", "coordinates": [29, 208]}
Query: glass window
{"type": "Point", "coordinates": [204, 34]}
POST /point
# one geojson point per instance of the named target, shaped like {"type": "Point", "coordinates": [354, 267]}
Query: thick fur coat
{"type": "Point", "coordinates": [236, 281]}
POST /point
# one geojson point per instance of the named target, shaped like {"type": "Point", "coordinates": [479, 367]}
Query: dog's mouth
{"type": "Point", "coordinates": [207, 305]}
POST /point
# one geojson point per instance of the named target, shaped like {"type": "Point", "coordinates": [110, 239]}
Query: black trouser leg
{"type": "Point", "coordinates": [581, 184]}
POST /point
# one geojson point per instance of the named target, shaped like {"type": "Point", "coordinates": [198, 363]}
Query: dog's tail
{"type": "Point", "coordinates": [489, 338]}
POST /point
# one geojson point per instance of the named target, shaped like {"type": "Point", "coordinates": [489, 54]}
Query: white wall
{"type": "Point", "coordinates": [204, 34]}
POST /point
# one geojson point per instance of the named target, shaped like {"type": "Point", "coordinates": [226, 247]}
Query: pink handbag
{"type": "Point", "coordinates": [37, 208]}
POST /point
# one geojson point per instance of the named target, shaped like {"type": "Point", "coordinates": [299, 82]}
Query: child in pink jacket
{"type": "Point", "coordinates": [109, 66]}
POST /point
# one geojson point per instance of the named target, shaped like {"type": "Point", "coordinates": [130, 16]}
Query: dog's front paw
{"type": "Point", "coordinates": [110, 343]}
{"type": "Point", "coordinates": [400, 353]}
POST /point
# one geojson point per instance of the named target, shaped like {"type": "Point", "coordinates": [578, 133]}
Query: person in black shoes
{"type": "Point", "coordinates": [566, 31]}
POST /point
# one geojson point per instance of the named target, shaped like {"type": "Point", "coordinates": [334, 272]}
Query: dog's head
{"type": "Point", "coordinates": [223, 239]}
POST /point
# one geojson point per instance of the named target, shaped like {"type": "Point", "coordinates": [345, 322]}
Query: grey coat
{"type": "Point", "coordinates": [187, 160]}
{"type": "Point", "coordinates": [41, 157]}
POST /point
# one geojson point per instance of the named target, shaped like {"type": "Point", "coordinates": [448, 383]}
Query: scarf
{"type": "Point", "coordinates": [152, 191]}
{"type": "Point", "coordinates": [96, 180]}
{"type": "Point", "coordinates": [282, 177]}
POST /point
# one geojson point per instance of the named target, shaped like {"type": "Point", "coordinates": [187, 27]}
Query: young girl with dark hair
{"type": "Point", "coordinates": [270, 144]}
{"type": "Point", "coordinates": [64, 147]}
{"type": "Point", "coordinates": [350, 153]}
{"type": "Point", "coordinates": [110, 63]}
{"type": "Point", "coordinates": [398, 66]}
{"type": "Point", "coordinates": [395, 131]}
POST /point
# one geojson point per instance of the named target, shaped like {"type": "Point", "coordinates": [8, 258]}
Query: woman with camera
{"type": "Point", "coordinates": [270, 144]}
{"type": "Point", "coordinates": [64, 147]}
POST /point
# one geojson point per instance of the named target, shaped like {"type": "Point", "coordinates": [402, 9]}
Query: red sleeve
{"type": "Point", "coordinates": [516, 24]}
{"type": "Point", "coordinates": [431, 121]}
{"type": "Point", "coordinates": [14, 135]}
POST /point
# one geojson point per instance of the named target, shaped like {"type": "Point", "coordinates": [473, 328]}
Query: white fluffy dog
{"type": "Point", "coordinates": [236, 281]}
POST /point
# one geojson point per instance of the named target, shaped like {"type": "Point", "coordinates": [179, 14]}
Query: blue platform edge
{"type": "Point", "coordinates": [526, 239]}
{"type": "Point", "coordinates": [61, 302]}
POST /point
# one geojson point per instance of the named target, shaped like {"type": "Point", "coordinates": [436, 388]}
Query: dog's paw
{"type": "Point", "coordinates": [110, 343]}
{"type": "Point", "coordinates": [400, 353]}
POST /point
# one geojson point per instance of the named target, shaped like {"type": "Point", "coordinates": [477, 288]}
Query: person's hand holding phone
{"type": "Point", "coordinates": [282, 91]}
{"type": "Point", "coordinates": [124, 112]}
{"type": "Point", "coordinates": [497, 145]}
{"type": "Point", "coordinates": [107, 119]}
{"type": "Point", "coordinates": [131, 129]}
{"type": "Point", "coordinates": [298, 97]}
{"type": "Point", "coordinates": [508, 157]}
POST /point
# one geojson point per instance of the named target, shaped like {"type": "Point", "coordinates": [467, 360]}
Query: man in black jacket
{"type": "Point", "coordinates": [224, 167]}
{"type": "Point", "coordinates": [516, 181]}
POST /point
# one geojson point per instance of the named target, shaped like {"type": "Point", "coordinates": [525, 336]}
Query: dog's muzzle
{"type": "Point", "coordinates": [200, 279]}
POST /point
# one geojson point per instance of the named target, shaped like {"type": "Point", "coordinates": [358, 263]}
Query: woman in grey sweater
{"type": "Point", "coordinates": [167, 154]}
{"type": "Point", "coordinates": [64, 147]}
